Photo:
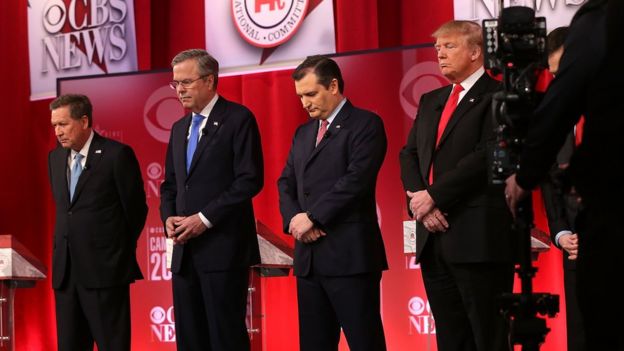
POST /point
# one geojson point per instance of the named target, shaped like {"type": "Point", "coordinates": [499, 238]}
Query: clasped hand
{"type": "Point", "coordinates": [423, 210]}
{"type": "Point", "coordinates": [181, 229]}
{"type": "Point", "coordinates": [302, 229]}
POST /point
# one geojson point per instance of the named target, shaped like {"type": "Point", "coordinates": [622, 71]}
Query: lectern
{"type": "Point", "coordinates": [18, 269]}
{"type": "Point", "coordinates": [276, 257]}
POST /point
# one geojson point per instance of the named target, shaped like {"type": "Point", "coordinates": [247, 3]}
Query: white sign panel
{"type": "Point", "coordinates": [255, 32]}
{"type": "Point", "coordinates": [77, 38]}
{"type": "Point", "coordinates": [557, 12]}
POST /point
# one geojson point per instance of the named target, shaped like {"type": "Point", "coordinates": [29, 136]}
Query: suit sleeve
{"type": "Point", "coordinates": [368, 150]}
{"type": "Point", "coordinates": [565, 100]}
{"type": "Point", "coordinates": [287, 187]}
{"type": "Point", "coordinates": [411, 174]}
{"type": "Point", "coordinates": [248, 171]}
{"type": "Point", "coordinates": [554, 205]}
{"type": "Point", "coordinates": [168, 190]}
{"type": "Point", "coordinates": [130, 189]}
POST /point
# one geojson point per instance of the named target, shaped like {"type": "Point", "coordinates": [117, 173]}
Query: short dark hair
{"type": "Point", "coordinates": [556, 38]}
{"type": "Point", "coordinates": [208, 65]}
{"type": "Point", "coordinates": [79, 105]}
{"type": "Point", "coordinates": [325, 69]}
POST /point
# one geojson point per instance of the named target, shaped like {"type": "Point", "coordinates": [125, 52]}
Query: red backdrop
{"type": "Point", "coordinates": [164, 27]}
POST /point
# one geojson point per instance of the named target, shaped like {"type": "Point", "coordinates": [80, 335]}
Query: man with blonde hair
{"type": "Point", "coordinates": [464, 241]}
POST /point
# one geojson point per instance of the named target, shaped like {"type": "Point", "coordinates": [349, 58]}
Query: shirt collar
{"type": "Point", "coordinates": [335, 112]}
{"type": "Point", "coordinates": [472, 79]}
{"type": "Point", "coordinates": [206, 110]}
{"type": "Point", "coordinates": [85, 148]}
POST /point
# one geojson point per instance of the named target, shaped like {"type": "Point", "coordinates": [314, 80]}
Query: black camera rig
{"type": "Point", "coordinates": [515, 46]}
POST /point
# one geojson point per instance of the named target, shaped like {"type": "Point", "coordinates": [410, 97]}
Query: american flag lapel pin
{"type": "Point", "coordinates": [98, 151]}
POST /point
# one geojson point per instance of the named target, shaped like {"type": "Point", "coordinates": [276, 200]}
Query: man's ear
{"type": "Point", "coordinates": [476, 53]}
{"type": "Point", "coordinates": [333, 86]}
{"type": "Point", "coordinates": [84, 121]}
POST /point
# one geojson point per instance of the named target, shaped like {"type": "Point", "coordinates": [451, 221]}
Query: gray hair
{"type": "Point", "coordinates": [207, 64]}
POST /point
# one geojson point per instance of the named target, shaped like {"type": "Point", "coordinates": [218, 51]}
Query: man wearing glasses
{"type": "Point", "coordinates": [213, 169]}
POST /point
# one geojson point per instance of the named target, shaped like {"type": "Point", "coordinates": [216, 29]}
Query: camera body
{"type": "Point", "coordinates": [514, 46]}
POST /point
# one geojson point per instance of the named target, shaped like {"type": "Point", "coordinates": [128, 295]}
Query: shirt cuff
{"type": "Point", "coordinates": [560, 234]}
{"type": "Point", "coordinates": [207, 222]}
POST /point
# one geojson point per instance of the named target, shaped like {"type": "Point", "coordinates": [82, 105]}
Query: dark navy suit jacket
{"type": "Point", "coordinates": [225, 173]}
{"type": "Point", "coordinates": [335, 181]}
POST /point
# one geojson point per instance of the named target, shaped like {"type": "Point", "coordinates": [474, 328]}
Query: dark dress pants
{"type": "Point", "coordinates": [327, 303]}
{"type": "Point", "coordinates": [210, 308]}
{"type": "Point", "coordinates": [86, 315]}
{"type": "Point", "coordinates": [464, 300]}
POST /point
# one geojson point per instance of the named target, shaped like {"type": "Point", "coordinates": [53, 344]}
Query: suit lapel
{"type": "Point", "coordinates": [429, 126]}
{"type": "Point", "coordinates": [61, 175]}
{"type": "Point", "coordinates": [96, 151]}
{"type": "Point", "coordinates": [214, 122]}
{"type": "Point", "coordinates": [469, 100]}
{"type": "Point", "coordinates": [334, 128]}
{"type": "Point", "coordinates": [180, 144]}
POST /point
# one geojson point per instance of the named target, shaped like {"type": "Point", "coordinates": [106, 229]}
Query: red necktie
{"type": "Point", "coordinates": [449, 108]}
{"type": "Point", "coordinates": [321, 131]}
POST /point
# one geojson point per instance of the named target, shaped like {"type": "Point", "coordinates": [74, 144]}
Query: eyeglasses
{"type": "Point", "coordinates": [185, 83]}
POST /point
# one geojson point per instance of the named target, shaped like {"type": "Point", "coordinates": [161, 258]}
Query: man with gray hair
{"type": "Point", "coordinates": [213, 169]}
{"type": "Point", "coordinates": [464, 241]}
{"type": "Point", "coordinates": [100, 212]}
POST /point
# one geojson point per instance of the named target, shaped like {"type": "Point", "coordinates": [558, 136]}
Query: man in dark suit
{"type": "Point", "coordinates": [588, 83]}
{"type": "Point", "coordinates": [213, 169]}
{"type": "Point", "coordinates": [100, 212]}
{"type": "Point", "coordinates": [327, 201]}
{"type": "Point", "coordinates": [464, 241]}
{"type": "Point", "coordinates": [562, 205]}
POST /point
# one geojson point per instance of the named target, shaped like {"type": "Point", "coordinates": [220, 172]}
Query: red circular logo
{"type": "Point", "coordinates": [268, 23]}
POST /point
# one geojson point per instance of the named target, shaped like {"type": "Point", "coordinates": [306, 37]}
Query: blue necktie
{"type": "Point", "coordinates": [193, 139]}
{"type": "Point", "coordinates": [75, 175]}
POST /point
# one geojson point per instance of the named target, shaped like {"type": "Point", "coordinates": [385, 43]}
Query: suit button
{"type": "Point", "coordinates": [306, 194]}
{"type": "Point", "coordinates": [186, 187]}
{"type": "Point", "coordinates": [69, 213]}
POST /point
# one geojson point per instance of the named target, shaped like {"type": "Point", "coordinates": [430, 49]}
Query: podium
{"type": "Point", "coordinates": [540, 241]}
{"type": "Point", "coordinates": [276, 257]}
{"type": "Point", "coordinates": [18, 269]}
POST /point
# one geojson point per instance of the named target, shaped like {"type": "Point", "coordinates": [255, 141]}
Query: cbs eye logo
{"type": "Point", "coordinates": [161, 109]}
{"type": "Point", "coordinates": [421, 78]}
{"type": "Point", "coordinates": [163, 324]}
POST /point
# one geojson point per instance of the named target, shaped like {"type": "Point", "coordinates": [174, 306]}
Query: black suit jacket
{"type": "Point", "coordinates": [561, 206]}
{"type": "Point", "coordinates": [335, 181]}
{"type": "Point", "coordinates": [477, 214]}
{"type": "Point", "coordinates": [589, 83]}
{"type": "Point", "coordinates": [101, 226]}
{"type": "Point", "coordinates": [225, 173]}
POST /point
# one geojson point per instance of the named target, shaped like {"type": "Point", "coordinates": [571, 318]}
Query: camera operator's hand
{"type": "Point", "coordinates": [420, 204]}
{"type": "Point", "coordinates": [513, 193]}
{"type": "Point", "coordinates": [435, 221]}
